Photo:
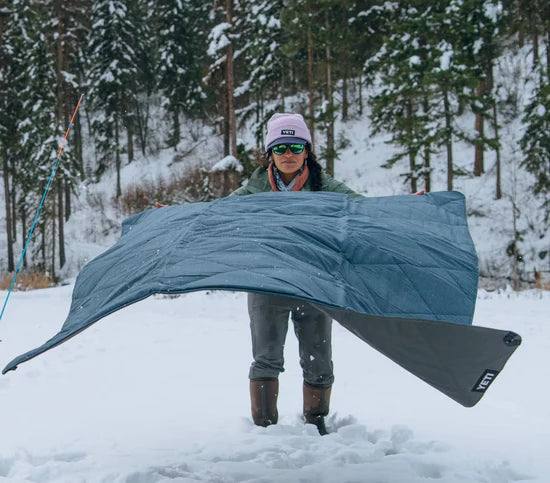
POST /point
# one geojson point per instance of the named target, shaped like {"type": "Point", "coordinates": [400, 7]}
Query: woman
{"type": "Point", "coordinates": [289, 165]}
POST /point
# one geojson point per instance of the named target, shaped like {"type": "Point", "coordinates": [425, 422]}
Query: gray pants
{"type": "Point", "coordinates": [269, 324]}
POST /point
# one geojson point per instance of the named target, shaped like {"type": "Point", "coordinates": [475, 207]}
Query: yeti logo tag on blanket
{"type": "Point", "coordinates": [485, 381]}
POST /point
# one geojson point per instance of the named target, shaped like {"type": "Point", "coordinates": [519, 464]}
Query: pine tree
{"type": "Point", "coordinates": [451, 76]}
{"type": "Point", "coordinates": [223, 44]}
{"type": "Point", "coordinates": [14, 79]}
{"type": "Point", "coordinates": [263, 59]}
{"type": "Point", "coordinates": [5, 128]}
{"type": "Point", "coordinates": [144, 84]}
{"type": "Point", "coordinates": [535, 143]}
{"type": "Point", "coordinates": [113, 73]}
{"type": "Point", "coordinates": [31, 124]}
{"type": "Point", "coordinates": [356, 41]}
{"type": "Point", "coordinates": [41, 130]}
{"type": "Point", "coordinates": [480, 29]}
{"type": "Point", "coordinates": [181, 36]}
{"type": "Point", "coordinates": [304, 48]}
{"type": "Point", "coordinates": [402, 104]}
{"type": "Point", "coordinates": [369, 26]}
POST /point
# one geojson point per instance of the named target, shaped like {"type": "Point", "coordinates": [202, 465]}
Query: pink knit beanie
{"type": "Point", "coordinates": [286, 128]}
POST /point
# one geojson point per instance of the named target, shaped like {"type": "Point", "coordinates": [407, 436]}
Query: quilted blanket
{"type": "Point", "coordinates": [400, 272]}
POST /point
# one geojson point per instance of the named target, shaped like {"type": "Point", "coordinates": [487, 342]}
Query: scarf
{"type": "Point", "coordinates": [277, 183]}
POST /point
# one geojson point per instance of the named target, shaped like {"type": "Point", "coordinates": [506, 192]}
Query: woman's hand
{"type": "Point", "coordinates": [159, 205]}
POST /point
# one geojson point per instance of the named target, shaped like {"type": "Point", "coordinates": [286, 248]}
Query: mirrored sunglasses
{"type": "Point", "coordinates": [294, 148]}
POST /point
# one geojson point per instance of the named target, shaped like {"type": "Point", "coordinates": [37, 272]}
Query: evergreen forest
{"type": "Point", "coordinates": [147, 67]}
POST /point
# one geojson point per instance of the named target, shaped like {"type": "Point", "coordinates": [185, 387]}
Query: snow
{"type": "Point", "coordinates": [478, 44]}
{"type": "Point", "coordinates": [229, 162]}
{"type": "Point", "coordinates": [158, 392]}
{"type": "Point", "coordinates": [446, 55]}
{"type": "Point", "coordinates": [218, 38]}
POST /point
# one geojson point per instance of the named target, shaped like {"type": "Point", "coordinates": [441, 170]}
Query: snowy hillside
{"type": "Point", "coordinates": [158, 392]}
{"type": "Point", "coordinates": [90, 231]}
{"type": "Point", "coordinates": [95, 222]}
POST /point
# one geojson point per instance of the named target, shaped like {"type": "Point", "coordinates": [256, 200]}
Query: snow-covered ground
{"type": "Point", "coordinates": [158, 392]}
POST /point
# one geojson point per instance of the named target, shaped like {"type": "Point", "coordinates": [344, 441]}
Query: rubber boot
{"type": "Point", "coordinates": [316, 406]}
{"type": "Point", "coordinates": [263, 399]}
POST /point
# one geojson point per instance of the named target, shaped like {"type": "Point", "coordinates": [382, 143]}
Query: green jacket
{"type": "Point", "coordinates": [259, 183]}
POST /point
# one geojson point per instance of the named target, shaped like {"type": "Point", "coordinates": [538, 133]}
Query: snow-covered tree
{"type": "Point", "coordinates": [480, 31]}
{"type": "Point", "coordinates": [113, 65]}
{"type": "Point", "coordinates": [6, 128]}
{"type": "Point", "coordinates": [36, 130]}
{"type": "Point", "coordinates": [535, 143]}
{"type": "Point", "coordinates": [260, 31]}
{"type": "Point", "coordinates": [402, 105]}
{"type": "Point", "coordinates": [181, 36]}
{"type": "Point", "coordinates": [222, 46]}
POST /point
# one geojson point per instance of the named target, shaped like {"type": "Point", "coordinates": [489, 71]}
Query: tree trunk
{"type": "Point", "coordinates": [9, 233]}
{"type": "Point", "coordinates": [360, 94]}
{"type": "Point", "coordinates": [330, 120]}
{"type": "Point", "coordinates": [117, 159]}
{"type": "Point", "coordinates": [78, 147]}
{"type": "Point", "coordinates": [130, 139]}
{"type": "Point", "coordinates": [61, 219]}
{"type": "Point", "coordinates": [129, 119]}
{"type": "Point", "coordinates": [412, 161]}
{"type": "Point", "coordinates": [142, 125]}
{"type": "Point", "coordinates": [310, 86]}
{"type": "Point", "coordinates": [43, 245]}
{"type": "Point", "coordinates": [225, 121]}
{"type": "Point", "coordinates": [448, 140]}
{"type": "Point", "coordinates": [59, 65]}
{"type": "Point", "coordinates": [68, 209]}
{"type": "Point", "coordinates": [175, 128]}
{"type": "Point", "coordinates": [497, 137]}
{"type": "Point", "coordinates": [427, 155]}
{"type": "Point", "coordinates": [515, 250]}
{"type": "Point", "coordinates": [24, 233]}
{"type": "Point", "coordinates": [13, 204]}
{"type": "Point", "coordinates": [229, 82]}
{"type": "Point", "coordinates": [5, 175]}
{"type": "Point", "coordinates": [61, 120]}
{"type": "Point", "coordinates": [283, 90]}
{"type": "Point", "coordinates": [345, 101]}
{"type": "Point", "coordinates": [534, 35]}
{"type": "Point", "coordinates": [427, 171]}
{"type": "Point", "coordinates": [479, 127]}
{"type": "Point", "coordinates": [54, 237]}
{"type": "Point", "coordinates": [412, 166]}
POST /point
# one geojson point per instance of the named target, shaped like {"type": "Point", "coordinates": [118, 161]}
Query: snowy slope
{"type": "Point", "coordinates": [158, 392]}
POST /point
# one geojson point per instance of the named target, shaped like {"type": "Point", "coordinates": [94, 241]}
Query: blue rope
{"type": "Point", "coordinates": [30, 234]}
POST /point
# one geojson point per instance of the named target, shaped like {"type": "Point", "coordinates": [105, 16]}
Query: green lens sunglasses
{"type": "Point", "coordinates": [294, 148]}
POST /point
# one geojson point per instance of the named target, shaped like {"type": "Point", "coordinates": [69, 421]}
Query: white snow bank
{"type": "Point", "coordinates": [158, 392]}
